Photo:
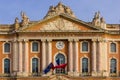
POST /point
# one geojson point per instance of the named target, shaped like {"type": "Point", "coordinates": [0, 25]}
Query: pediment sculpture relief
{"type": "Point", "coordinates": [60, 24]}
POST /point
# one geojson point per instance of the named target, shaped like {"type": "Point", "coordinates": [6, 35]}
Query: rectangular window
{"type": "Point", "coordinates": [35, 46]}
{"type": "Point", "coordinates": [7, 48]}
{"type": "Point", "coordinates": [84, 46]}
{"type": "Point", "coordinates": [113, 47]}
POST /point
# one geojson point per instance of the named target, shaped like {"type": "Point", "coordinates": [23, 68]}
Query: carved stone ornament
{"type": "Point", "coordinates": [58, 9]}
{"type": "Point", "coordinates": [60, 24]}
{"type": "Point", "coordinates": [25, 19]}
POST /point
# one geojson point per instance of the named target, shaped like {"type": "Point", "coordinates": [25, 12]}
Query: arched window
{"type": "Point", "coordinates": [7, 47]}
{"type": "Point", "coordinates": [35, 47]}
{"type": "Point", "coordinates": [84, 65]}
{"type": "Point", "coordinates": [113, 47]}
{"type": "Point", "coordinates": [61, 58]}
{"type": "Point", "coordinates": [34, 65]}
{"type": "Point", "coordinates": [84, 46]}
{"type": "Point", "coordinates": [113, 66]}
{"type": "Point", "coordinates": [6, 66]}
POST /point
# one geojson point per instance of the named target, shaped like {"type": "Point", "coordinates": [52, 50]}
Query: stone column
{"type": "Point", "coordinates": [94, 57]}
{"type": "Point", "coordinates": [70, 57]}
{"type": "Point", "coordinates": [20, 57]}
{"type": "Point", "coordinates": [15, 57]}
{"type": "Point", "coordinates": [49, 52]}
{"type": "Point", "coordinates": [76, 57]}
{"type": "Point", "coordinates": [104, 59]}
{"type": "Point", "coordinates": [43, 54]}
{"type": "Point", "coordinates": [26, 61]}
{"type": "Point", "coordinates": [99, 56]}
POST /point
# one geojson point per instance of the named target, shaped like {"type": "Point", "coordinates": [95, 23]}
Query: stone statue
{"type": "Point", "coordinates": [68, 10]}
{"type": "Point", "coordinates": [25, 19]}
{"type": "Point", "coordinates": [16, 24]}
{"type": "Point", "coordinates": [16, 20]}
{"type": "Point", "coordinates": [98, 20]}
{"type": "Point", "coordinates": [102, 20]}
{"type": "Point", "coordinates": [60, 8]}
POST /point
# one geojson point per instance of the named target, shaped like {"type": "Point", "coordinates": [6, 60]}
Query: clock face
{"type": "Point", "coordinates": [60, 45]}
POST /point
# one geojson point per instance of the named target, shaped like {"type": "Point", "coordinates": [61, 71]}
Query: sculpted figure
{"type": "Point", "coordinates": [68, 10]}
{"type": "Point", "coordinates": [25, 19]}
{"type": "Point", "coordinates": [16, 20]}
{"type": "Point", "coordinates": [16, 24]}
{"type": "Point", "coordinates": [60, 8]}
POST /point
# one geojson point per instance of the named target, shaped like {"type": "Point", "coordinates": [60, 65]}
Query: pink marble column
{"type": "Point", "coordinates": [20, 57]}
{"type": "Point", "coordinates": [70, 55]}
{"type": "Point", "coordinates": [15, 56]}
{"type": "Point", "coordinates": [26, 54]}
{"type": "Point", "coordinates": [43, 54]}
{"type": "Point", "coordinates": [76, 55]}
{"type": "Point", "coordinates": [99, 56]}
{"type": "Point", "coordinates": [49, 56]}
{"type": "Point", "coordinates": [94, 56]}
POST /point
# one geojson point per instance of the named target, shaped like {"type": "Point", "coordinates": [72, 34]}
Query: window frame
{"type": "Point", "coordinates": [4, 65]}
{"type": "Point", "coordinates": [110, 47]}
{"type": "Point", "coordinates": [39, 64]}
{"type": "Point", "coordinates": [32, 47]}
{"type": "Point", "coordinates": [115, 66]}
{"type": "Point", "coordinates": [81, 47]}
{"type": "Point", "coordinates": [4, 48]}
{"type": "Point", "coordinates": [35, 65]}
{"type": "Point", "coordinates": [88, 63]}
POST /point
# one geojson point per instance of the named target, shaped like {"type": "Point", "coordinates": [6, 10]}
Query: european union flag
{"type": "Point", "coordinates": [48, 68]}
{"type": "Point", "coordinates": [58, 61]}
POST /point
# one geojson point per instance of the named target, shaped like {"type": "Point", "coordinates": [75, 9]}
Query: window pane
{"type": "Point", "coordinates": [61, 57]}
{"type": "Point", "coordinates": [85, 46]}
{"type": "Point", "coordinates": [84, 65]}
{"type": "Point", "coordinates": [35, 46]}
{"type": "Point", "coordinates": [113, 66]}
{"type": "Point", "coordinates": [113, 47]}
{"type": "Point", "coordinates": [6, 47]}
{"type": "Point", "coordinates": [6, 66]}
{"type": "Point", "coordinates": [35, 65]}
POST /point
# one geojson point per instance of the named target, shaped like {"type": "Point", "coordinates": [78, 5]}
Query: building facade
{"type": "Point", "coordinates": [88, 48]}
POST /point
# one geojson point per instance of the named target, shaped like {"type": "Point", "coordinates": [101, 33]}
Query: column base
{"type": "Point", "coordinates": [49, 73]}
{"type": "Point", "coordinates": [25, 74]}
{"type": "Point", "coordinates": [103, 74]}
{"type": "Point", "coordinates": [19, 74]}
{"type": "Point", "coordinates": [94, 73]}
{"type": "Point", "coordinates": [76, 74]}
{"type": "Point", "coordinates": [106, 74]}
{"type": "Point", "coordinates": [70, 73]}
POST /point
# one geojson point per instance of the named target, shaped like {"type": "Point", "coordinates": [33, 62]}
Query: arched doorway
{"type": "Point", "coordinates": [61, 58]}
{"type": "Point", "coordinates": [34, 65]}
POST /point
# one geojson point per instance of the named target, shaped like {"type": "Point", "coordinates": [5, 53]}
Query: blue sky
{"type": "Point", "coordinates": [37, 9]}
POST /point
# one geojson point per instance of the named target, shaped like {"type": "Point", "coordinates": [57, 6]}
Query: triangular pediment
{"type": "Point", "coordinates": [60, 23]}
